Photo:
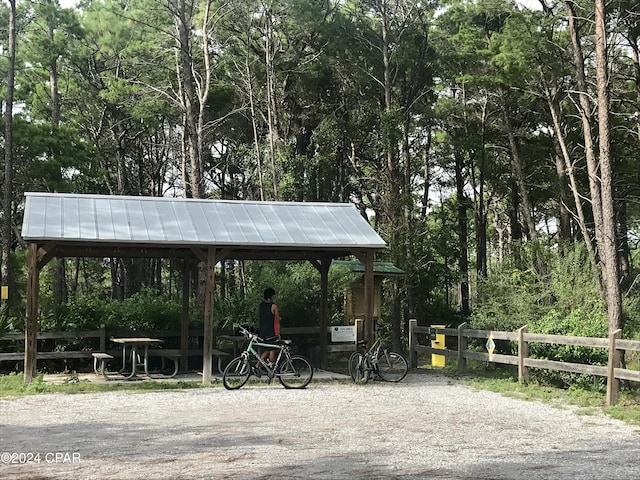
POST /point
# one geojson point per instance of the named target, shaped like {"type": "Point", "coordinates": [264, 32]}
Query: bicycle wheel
{"type": "Point", "coordinates": [392, 367]}
{"type": "Point", "coordinates": [295, 372]}
{"type": "Point", "coordinates": [358, 368]}
{"type": "Point", "coordinates": [236, 373]}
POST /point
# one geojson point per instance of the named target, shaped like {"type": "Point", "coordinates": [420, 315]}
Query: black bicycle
{"type": "Point", "coordinates": [376, 361]}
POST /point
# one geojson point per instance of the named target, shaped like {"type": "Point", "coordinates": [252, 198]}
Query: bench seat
{"type": "Point", "coordinates": [175, 355]}
{"type": "Point", "coordinates": [46, 355]}
{"type": "Point", "coordinates": [100, 363]}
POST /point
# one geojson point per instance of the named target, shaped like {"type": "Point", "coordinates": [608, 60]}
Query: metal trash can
{"type": "Point", "coordinates": [438, 341]}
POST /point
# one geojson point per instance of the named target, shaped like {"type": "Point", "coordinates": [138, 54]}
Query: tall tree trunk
{"type": "Point", "coordinates": [463, 236]}
{"type": "Point", "coordinates": [7, 210]}
{"type": "Point", "coordinates": [586, 118]}
{"type": "Point", "coordinates": [189, 97]}
{"type": "Point", "coordinates": [272, 110]}
{"type": "Point", "coordinates": [623, 244]}
{"type": "Point", "coordinates": [393, 174]}
{"type": "Point", "coordinates": [426, 173]}
{"type": "Point", "coordinates": [519, 176]}
{"type": "Point", "coordinates": [203, 90]}
{"type": "Point", "coordinates": [480, 210]}
{"type": "Point", "coordinates": [60, 291]}
{"type": "Point", "coordinates": [608, 246]}
{"type": "Point", "coordinates": [256, 140]}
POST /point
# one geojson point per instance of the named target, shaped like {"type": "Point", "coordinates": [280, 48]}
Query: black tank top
{"type": "Point", "coordinates": [267, 320]}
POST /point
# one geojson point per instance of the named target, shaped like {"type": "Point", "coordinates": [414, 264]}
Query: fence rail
{"type": "Point", "coordinates": [103, 335]}
{"type": "Point", "coordinates": [614, 344]}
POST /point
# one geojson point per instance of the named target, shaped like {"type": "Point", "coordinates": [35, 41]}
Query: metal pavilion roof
{"type": "Point", "coordinates": [178, 222]}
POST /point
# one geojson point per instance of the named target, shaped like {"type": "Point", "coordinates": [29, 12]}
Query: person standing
{"type": "Point", "coordinates": [269, 316]}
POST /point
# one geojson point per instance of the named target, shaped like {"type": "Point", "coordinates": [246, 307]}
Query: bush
{"type": "Point", "coordinates": [145, 310]}
{"type": "Point", "coordinates": [579, 324]}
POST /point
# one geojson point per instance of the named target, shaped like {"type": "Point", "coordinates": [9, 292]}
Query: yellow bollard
{"type": "Point", "coordinates": [439, 343]}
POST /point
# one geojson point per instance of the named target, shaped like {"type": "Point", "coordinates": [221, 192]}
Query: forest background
{"type": "Point", "coordinates": [493, 147]}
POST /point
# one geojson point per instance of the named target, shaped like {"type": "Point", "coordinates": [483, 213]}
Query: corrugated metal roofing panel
{"type": "Point", "coordinates": [177, 221]}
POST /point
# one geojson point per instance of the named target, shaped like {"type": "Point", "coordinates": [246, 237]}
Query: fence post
{"type": "Point", "coordinates": [359, 326]}
{"type": "Point", "coordinates": [462, 347]}
{"type": "Point", "coordinates": [103, 338]}
{"type": "Point", "coordinates": [413, 358]}
{"type": "Point", "coordinates": [613, 384]}
{"type": "Point", "coordinates": [523, 352]}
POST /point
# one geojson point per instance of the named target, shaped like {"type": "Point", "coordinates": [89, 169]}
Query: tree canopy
{"type": "Point", "coordinates": [472, 134]}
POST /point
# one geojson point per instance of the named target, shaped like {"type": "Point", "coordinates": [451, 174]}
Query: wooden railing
{"type": "Point", "coordinates": [67, 342]}
{"type": "Point", "coordinates": [65, 347]}
{"type": "Point", "coordinates": [613, 370]}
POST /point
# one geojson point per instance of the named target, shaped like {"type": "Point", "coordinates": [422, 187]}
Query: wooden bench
{"type": "Point", "coordinates": [219, 354]}
{"type": "Point", "coordinates": [175, 355]}
{"type": "Point", "coordinates": [15, 356]}
{"type": "Point", "coordinates": [164, 354]}
{"type": "Point", "coordinates": [99, 363]}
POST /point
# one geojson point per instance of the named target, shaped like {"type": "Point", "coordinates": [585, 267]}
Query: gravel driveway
{"type": "Point", "coordinates": [426, 427]}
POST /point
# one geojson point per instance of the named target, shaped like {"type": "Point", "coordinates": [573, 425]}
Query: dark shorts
{"type": "Point", "coordinates": [272, 340]}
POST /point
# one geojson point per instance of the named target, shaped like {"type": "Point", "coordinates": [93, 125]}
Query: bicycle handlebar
{"type": "Point", "coordinates": [248, 334]}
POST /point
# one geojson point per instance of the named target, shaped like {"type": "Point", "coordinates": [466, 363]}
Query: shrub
{"type": "Point", "coordinates": [145, 310]}
{"type": "Point", "coordinates": [577, 323]}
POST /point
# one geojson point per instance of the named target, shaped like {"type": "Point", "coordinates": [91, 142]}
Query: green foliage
{"type": "Point", "coordinates": [578, 323]}
{"type": "Point", "coordinates": [558, 299]}
{"type": "Point", "coordinates": [297, 287]}
{"type": "Point", "coordinates": [514, 296]}
{"type": "Point", "coordinates": [434, 271]}
{"type": "Point", "coordinates": [144, 310]}
{"type": "Point", "coordinates": [508, 299]}
{"type": "Point", "coordinates": [234, 309]}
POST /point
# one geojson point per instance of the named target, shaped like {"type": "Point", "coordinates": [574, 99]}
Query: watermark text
{"type": "Point", "coordinates": [39, 457]}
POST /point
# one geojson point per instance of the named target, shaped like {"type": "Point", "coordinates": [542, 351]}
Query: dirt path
{"type": "Point", "coordinates": [424, 427]}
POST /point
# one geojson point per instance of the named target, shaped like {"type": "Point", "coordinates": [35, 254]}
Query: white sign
{"type": "Point", "coordinates": [343, 333]}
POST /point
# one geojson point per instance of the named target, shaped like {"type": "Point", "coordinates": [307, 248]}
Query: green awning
{"type": "Point", "coordinates": [379, 268]}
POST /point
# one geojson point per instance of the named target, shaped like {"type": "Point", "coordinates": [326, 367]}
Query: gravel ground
{"type": "Point", "coordinates": [426, 427]}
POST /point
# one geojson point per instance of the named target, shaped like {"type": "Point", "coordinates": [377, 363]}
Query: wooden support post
{"type": "Point", "coordinates": [523, 353]}
{"type": "Point", "coordinates": [103, 338]}
{"type": "Point", "coordinates": [207, 347]}
{"type": "Point", "coordinates": [31, 325]}
{"type": "Point", "coordinates": [368, 297]}
{"type": "Point", "coordinates": [613, 384]}
{"type": "Point", "coordinates": [462, 348]}
{"type": "Point", "coordinates": [184, 323]}
{"type": "Point", "coordinates": [359, 330]}
{"type": "Point", "coordinates": [413, 357]}
{"type": "Point", "coordinates": [325, 263]}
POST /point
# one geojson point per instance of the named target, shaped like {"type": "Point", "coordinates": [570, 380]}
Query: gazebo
{"type": "Point", "coordinates": [195, 230]}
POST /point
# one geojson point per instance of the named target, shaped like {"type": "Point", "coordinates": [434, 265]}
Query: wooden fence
{"type": "Point", "coordinates": [82, 343]}
{"type": "Point", "coordinates": [522, 338]}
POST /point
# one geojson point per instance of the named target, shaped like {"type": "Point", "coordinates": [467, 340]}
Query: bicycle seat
{"type": "Point", "coordinates": [362, 343]}
{"type": "Point", "coordinates": [283, 342]}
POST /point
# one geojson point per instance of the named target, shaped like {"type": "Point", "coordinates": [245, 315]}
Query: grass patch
{"type": "Point", "coordinates": [12, 385]}
{"type": "Point", "coordinates": [504, 380]}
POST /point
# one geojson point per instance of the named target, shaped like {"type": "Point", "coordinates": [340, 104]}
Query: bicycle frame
{"type": "Point", "coordinates": [371, 355]}
{"type": "Point", "coordinates": [254, 341]}
{"type": "Point", "coordinates": [377, 361]}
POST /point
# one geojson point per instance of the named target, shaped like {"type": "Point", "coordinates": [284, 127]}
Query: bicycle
{"type": "Point", "coordinates": [376, 361]}
{"type": "Point", "coordinates": [293, 371]}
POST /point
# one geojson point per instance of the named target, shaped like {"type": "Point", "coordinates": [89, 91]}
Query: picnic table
{"type": "Point", "coordinates": [236, 339]}
{"type": "Point", "coordinates": [135, 343]}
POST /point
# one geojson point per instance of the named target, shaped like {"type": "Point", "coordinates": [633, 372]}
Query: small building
{"type": "Point", "coordinates": [354, 303]}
